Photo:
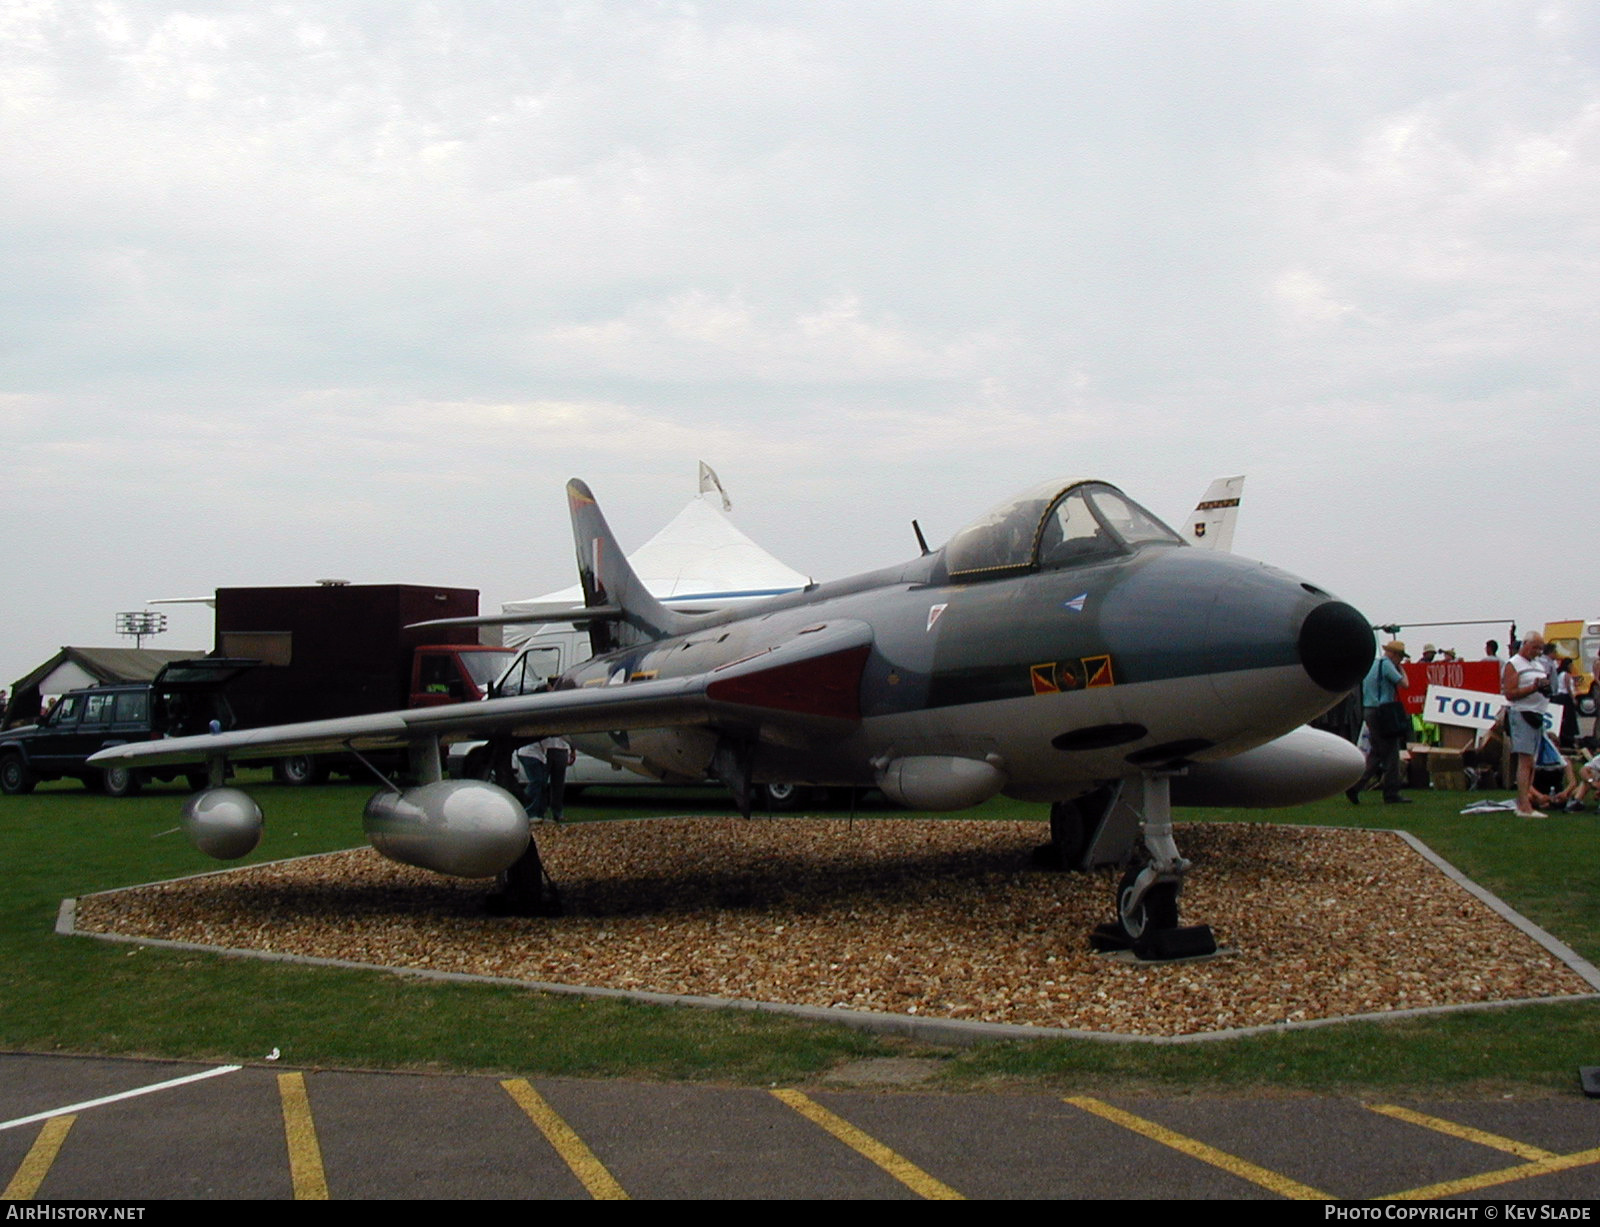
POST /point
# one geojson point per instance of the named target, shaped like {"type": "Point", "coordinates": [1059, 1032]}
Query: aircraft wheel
{"type": "Point", "coordinates": [1068, 833]}
{"type": "Point", "coordinates": [120, 782]}
{"type": "Point", "coordinates": [1157, 910]}
{"type": "Point", "coordinates": [1068, 839]}
{"type": "Point", "coordinates": [298, 770]}
{"type": "Point", "coordinates": [781, 797]}
{"type": "Point", "coordinates": [197, 781]}
{"type": "Point", "coordinates": [16, 777]}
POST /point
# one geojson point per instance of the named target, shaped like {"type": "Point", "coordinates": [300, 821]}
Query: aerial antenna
{"type": "Point", "coordinates": [921, 540]}
{"type": "Point", "coordinates": [141, 622]}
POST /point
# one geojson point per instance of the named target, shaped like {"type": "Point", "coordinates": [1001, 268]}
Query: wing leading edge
{"type": "Point", "coordinates": [809, 682]}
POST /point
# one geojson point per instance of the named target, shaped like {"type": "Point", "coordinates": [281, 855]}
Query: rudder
{"type": "Point", "coordinates": [608, 579]}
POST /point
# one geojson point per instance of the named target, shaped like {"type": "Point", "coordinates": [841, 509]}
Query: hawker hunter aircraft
{"type": "Point", "coordinates": [1067, 647]}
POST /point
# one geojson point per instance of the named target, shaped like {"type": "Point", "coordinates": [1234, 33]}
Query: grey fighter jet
{"type": "Point", "coordinates": [1067, 647]}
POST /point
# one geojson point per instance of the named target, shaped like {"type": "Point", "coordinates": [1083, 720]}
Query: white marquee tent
{"type": "Point", "coordinates": [698, 561]}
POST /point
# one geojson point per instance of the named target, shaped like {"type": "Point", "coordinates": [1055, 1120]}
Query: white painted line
{"type": "Point", "coordinates": [95, 1103]}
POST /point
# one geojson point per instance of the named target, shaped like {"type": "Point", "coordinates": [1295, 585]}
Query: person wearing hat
{"type": "Point", "coordinates": [1387, 725]}
{"type": "Point", "coordinates": [1428, 653]}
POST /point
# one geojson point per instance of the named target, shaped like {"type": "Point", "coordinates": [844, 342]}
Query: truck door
{"type": "Point", "coordinates": [58, 735]}
{"type": "Point", "coordinates": [455, 674]}
{"type": "Point", "coordinates": [436, 678]}
{"type": "Point", "coordinates": [532, 670]}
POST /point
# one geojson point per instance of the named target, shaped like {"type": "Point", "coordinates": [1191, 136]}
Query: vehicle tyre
{"type": "Point", "coordinates": [16, 777]}
{"type": "Point", "coordinates": [1157, 910]}
{"type": "Point", "coordinates": [1586, 704]}
{"type": "Point", "coordinates": [298, 770]}
{"type": "Point", "coordinates": [120, 782]}
{"type": "Point", "coordinates": [198, 781]}
{"type": "Point", "coordinates": [782, 797]}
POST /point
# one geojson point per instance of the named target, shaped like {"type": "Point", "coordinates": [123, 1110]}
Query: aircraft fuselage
{"type": "Point", "coordinates": [1060, 680]}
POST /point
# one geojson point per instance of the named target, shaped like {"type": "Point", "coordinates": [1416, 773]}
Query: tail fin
{"type": "Point", "coordinates": [1210, 526]}
{"type": "Point", "coordinates": [607, 579]}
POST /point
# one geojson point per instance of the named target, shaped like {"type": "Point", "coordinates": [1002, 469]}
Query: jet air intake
{"type": "Point", "coordinates": [1336, 646]}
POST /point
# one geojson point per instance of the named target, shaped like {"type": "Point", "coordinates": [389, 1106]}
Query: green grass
{"type": "Point", "coordinates": [77, 995]}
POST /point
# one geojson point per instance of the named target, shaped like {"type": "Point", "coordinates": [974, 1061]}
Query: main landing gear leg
{"type": "Point", "coordinates": [1147, 895]}
{"type": "Point", "coordinates": [502, 768]}
{"type": "Point", "coordinates": [731, 762]}
{"type": "Point", "coordinates": [1095, 829]}
{"type": "Point", "coordinates": [528, 890]}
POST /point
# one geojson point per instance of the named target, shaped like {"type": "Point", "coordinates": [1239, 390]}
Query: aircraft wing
{"type": "Point", "coordinates": [578, 615]}
{"type": "Point", "coordinates": [809, 682]}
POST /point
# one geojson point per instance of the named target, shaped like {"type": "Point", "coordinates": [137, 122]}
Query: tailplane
{"type": "Point", "coordinates": [608, 580]}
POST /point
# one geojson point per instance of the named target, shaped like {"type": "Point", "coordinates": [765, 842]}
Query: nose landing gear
{"type": "Point", "coordinates": [1147, 896]}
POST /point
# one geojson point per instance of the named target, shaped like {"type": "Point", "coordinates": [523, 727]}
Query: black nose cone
{"type": "Point", "coordinates": [1336, 646]}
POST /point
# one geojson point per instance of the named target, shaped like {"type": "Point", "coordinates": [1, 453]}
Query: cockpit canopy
{"type": "Point", "coordinates": [1058, 524]}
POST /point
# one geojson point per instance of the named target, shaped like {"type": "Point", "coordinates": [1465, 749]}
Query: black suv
{"type": "Point", "coordinates": [185, 698]}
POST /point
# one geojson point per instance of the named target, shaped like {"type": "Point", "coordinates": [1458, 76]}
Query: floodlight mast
{"type": "Point", "coordinates": [141, 622]}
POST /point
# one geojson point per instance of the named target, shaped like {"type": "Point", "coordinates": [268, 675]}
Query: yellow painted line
{"type": "Point", "coordinates": [602, 1185]}
{"type": "Point", "coordinates": [1465, 1132]}
{"type": "Point", "coordinates": [305, 1156]}
{"type": "Point", "coordinates": [36, 1164]}
{"type": "Point", "coordinates": [1506, 1175]}
{"type": "Point", "coordinates": [1242, 1168]}
{"type": "Point", "coordinates": [902, 1169]}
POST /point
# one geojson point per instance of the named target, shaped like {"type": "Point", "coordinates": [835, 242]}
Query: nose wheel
{"type": "Point", "coordinates": [1155, 908]}
{"type": "Point", "coordinates": [1147, 894]}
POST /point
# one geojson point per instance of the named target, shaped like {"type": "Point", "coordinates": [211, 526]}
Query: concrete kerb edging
{"type": "Point", "coordinates": [932, 1030]}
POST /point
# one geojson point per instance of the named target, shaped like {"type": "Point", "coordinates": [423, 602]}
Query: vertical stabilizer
{"type": "Point", "coordinates": [607, 579]}
{"type": "Point", "coordinates": [1211, 525]}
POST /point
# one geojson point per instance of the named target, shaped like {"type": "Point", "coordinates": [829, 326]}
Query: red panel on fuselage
{"type": "Point", "coordinates": [825, 686]}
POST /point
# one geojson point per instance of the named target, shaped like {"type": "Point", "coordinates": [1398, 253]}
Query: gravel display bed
{"type": "Point", "coordinates": [935, 918]}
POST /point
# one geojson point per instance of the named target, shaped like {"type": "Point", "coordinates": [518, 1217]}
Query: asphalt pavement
{"type": "Point", "coordinates": [85, 1128]}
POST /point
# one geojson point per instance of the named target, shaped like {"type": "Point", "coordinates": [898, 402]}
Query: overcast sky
{"type": "Point", "coordinates": [349, 289]}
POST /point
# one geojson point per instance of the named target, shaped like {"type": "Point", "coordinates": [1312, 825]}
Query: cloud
{"type": "Point", "coordinates": [379, 276]}
{"type": "Point", "coordinates": [721, 336]}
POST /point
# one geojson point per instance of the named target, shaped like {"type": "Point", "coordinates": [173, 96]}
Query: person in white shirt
{"type": "Point", "coordinates": [1525, 682]}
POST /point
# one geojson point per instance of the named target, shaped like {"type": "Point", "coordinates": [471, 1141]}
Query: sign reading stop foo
{"type": "Point", "coordinates": [1471, 709]}
{"type": "Point", "coordinates": [1479, 675]}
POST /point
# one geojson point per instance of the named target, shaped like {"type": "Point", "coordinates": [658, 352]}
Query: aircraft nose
{"type": "Point", "coordinates": [1260, 637]}
{"type": "Point", "coordinates": [1336, 646]}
